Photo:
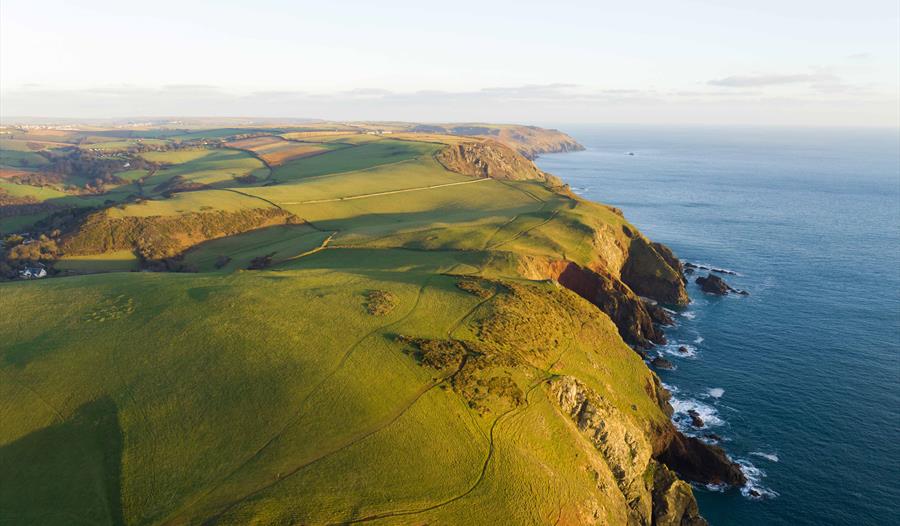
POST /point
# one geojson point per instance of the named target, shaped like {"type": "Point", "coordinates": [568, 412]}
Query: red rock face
{"type": "Point", "coordinates": [611, 296]}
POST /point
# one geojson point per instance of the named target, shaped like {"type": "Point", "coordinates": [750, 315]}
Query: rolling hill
{"type": "Point", "coordinates": [367, 323]}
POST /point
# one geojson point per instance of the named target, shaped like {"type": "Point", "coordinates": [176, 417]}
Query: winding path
{"type": "Point", "coordinates": [299, 418]}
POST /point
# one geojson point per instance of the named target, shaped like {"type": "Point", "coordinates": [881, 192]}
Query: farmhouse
{"type": "Point", "coordinates": [33, 273]}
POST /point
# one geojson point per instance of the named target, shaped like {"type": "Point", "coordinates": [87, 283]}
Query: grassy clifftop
{"type": "Point", "coordinates": [438, 336]}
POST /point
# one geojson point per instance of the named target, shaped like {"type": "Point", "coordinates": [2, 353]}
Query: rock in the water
{"type": "Point", "coordinates": [713, 436]}
{"type": "Point", "coordinates": [661, 363]}
{"type": "Point", "coordinates": [696, 421]}
{"type": "Point", "coordinates": [658, 314]}
{"type": "Point", "coordinates": [683, 349]}
{"type": "Point", "coordinates": [697, 461]}
{"type": "Point", "coordinates": [713, 285]}
{"type": "Point", "coordinates": [692, 266]}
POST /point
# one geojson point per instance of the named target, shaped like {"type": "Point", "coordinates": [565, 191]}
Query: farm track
{"type": "Point", "coordinates": [299, 416]}
{"type": "Point", "coordinates": [319, 248]}
{"type": "Point", "coordinates": [526, 192]}
{"type": "Point", "coordinates": [377, 194]}
{"type": "Point", "coordinates": [491, 447]}
{"type": "Point", "coordinates": [394, 416]}
{"type": "Point", "coordinates": [487, 244]}
{"type": "Point", "coordinates": [547, 375]}
{"type": "Point", "coordinates": [527, 230]}
{"type": "Point", "coordinates": [355, 170]}
{"type": "Point", "coordinates": [400, 411]}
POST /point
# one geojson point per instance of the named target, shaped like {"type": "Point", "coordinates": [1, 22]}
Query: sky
{"type": "Point", "coordinates": [762, 62]}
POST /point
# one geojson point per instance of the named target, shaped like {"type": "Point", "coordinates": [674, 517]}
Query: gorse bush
{"type": "Point", "coordinates": [161, 237]}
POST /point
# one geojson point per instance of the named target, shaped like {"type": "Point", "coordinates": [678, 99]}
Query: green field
{"type": "Point", "coordinates": [37, 192]}
{"type": "Point", "coordinates": [118, 261]}
{"type": "Point", "coordinates": [351, 159]}
{"type": "Point", "coordinates": [397, 352]}
{"type": "Point", "coordinates": [124, 144]}
{"type": "Point", "coordinates": [208, 167]}
{"type": "Point", "coordinates": [21, 159]}
{"type": "Point", "coordinates": [394, 430]}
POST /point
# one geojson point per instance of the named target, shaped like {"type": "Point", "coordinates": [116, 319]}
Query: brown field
{"type": "Point", "coordinates": [312, 135]}
{"type": "Point", "coordinates": [9, 173]}
{"type": "Point", "coordinates": [276, 151]}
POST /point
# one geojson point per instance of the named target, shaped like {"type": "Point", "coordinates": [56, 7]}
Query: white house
{"type": "Point", "coordinates": [33, 273]}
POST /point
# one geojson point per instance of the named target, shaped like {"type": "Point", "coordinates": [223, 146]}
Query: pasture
{"type": "Point", "coordinates": [276, 151]}
{"type": "Point", "coordinates": [277, 395]}
{"type": "Point", "coordinates": [214, 167]}
{"type": "Point", "coordinates": [356, 158]}
{"type": "Point", "coordinates": [122, 145]}
{"type": "Point", "coordinates": [26, 159]}
{"type": "Point", "coordinates": [303, 418]}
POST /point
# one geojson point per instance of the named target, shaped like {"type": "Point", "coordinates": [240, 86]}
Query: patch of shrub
{"type": "Point", "coordinates": [156, 238]}
{"type": "Point", "coordinates": [437, 354]}
{"type": "Point", "coordinates": [475, 286]}
{"type": "Point", "coordinates": [261, 262]}
{"type": "Point", "coordinates": [381, 302]}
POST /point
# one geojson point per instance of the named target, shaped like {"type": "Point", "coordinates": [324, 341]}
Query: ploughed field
{"type": "Point", "coordinates": [338, 329]}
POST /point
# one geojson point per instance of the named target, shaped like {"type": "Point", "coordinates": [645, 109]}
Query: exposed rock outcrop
{"type": "Point", "coordinates": [492, 159]}
{"type": "Point", "coordinates": [657, 313]}
{"type": "Point", "coordinates": [696, 461]}
{"type": "Point", "coordinates": [529, 141]}
{"type": "Point", "coordinates": [661, 363]}
{"type": "Point", "coordinates": [653, 493]}
{"type": "Point", "coordinates": [696, 419]}
{"type": "Point", "coordinates": [673, 500]}
{"type": "Point", "coordinates": [635, 316]}
{"type": "Point", "coordinates": [611, 296]}
{"type": "Point", "coordinates": [652, 274]}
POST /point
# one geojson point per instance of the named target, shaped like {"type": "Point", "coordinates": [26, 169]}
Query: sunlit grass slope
{"type": "Point", "coordinates": [174, 398]}
{"type": "Point", "coordinates": [385, 362]}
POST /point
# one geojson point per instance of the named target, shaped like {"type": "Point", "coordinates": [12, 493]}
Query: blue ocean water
{"type": "Point", "coordinates": [801, 379]}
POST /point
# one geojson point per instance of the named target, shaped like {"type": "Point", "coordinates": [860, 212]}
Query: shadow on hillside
{"type": "Point", "coordinates": [66, 473]}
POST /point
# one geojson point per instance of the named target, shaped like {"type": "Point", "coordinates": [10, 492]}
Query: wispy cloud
{"type": "Point", "coordinates": [859, 57]}
{"type": "Point", "coordinates": [758, 81]}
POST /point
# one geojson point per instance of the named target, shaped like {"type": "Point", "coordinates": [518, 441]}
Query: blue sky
{"type": "Point", "coordinates": [690, 62]}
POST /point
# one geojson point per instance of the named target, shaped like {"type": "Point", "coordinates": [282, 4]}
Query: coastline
{"type": "Point", "coordinates": [662, 357]}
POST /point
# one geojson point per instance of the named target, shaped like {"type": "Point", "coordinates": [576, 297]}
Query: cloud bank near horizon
{"type": "Point", "coordinates": [730, 100]}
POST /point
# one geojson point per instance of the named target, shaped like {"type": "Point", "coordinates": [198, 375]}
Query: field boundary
{"type": "Point", "coordinates": [377, 194]}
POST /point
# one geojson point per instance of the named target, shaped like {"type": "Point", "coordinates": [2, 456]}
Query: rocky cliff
{"type": "Point", "coordinates": [653, 493]}
{"type": "Point", "coordinates": [529, 141]}
{"type": "Point", "coordinates": [490, 158]}
{"type": "Point", "coordinates": [626, 276]}
{"type": "Point", "coordinates": [622, 265]}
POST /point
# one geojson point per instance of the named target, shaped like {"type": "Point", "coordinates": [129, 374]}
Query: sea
{"type": "Point", "coordinates": [800, 379]}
